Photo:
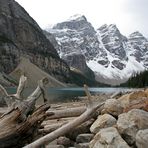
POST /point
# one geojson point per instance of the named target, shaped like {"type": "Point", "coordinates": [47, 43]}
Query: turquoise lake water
{"type": "Point", "coordinates": [65, 94]}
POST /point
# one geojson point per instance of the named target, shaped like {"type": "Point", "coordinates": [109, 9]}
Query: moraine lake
{"type": "Point", "coordinates": [65, 94]}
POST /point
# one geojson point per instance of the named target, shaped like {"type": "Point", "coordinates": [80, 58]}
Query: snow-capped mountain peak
{"type": "Point", "coordinates": [112, 56]}
{"type": "Point", "coordinates": [77, 17]}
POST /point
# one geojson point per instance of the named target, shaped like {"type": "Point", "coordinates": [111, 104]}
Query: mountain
{"type": "Point", "coordinates": [33, 74]}
{"type": "Point", "coordinates": [109, 54]}
{"type": "Point", "coordinates": [20, 36]}
{"type": "Point", "coordinates": [75, 60]}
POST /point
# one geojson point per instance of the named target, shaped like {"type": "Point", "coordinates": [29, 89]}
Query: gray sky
{"type": "Point", "coordinates": [128, 15]}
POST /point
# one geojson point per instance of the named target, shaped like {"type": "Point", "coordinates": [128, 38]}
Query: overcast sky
{"type": "Point", "coordinates": [128, 15]}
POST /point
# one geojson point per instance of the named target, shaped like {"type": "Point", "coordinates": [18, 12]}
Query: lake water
{"type": "Point", "coordinates": [64, 94]}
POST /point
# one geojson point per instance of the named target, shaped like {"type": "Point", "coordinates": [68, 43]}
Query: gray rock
{"type": "Point", "coordinates": [129, 123]}
{"type": "Point", "coordinates": [118, 64]}
{"type": "Point", "coordinates": [113, 107]}
{"type": "Point", "coordinates": [142, 138]}
{"type": "Point", "coordinates": [84, 138]}
{"type": "Point", "coordinates": [64, 141]}
{"type": "Point", "coordinates": [82, 145]}
{"type": "Point", "coordinates": [103, 121]}
{"type": "Point", "coordinates": [108, 138]}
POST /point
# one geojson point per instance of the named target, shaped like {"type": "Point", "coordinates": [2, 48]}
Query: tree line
{"type": "Point", "coordinates": [137, 80]}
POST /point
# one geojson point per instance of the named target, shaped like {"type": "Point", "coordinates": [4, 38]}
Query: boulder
{"type": "Point", "coordinates": [124, 100]}
{"type": "Point", "coordinates": [82, 145]}
{"type": "Point", "coordinates": [133, 98]}
{"type": "Point", "coordinates": [108, 138]}
{"type": "Point", "coordinates": [84, 138]}
{"type": "Point", "coordinates": [142, 139]}
{"type": "Point", "coordinates": [113, 107]}
{"type": "Point", "coordinates": [137, 94]}
{"type": "Point", "coordinates": [129, 123]}
{"type": "Point", "coordinates": [103, 121]}
{"type": "Point", "coordinates": [141, 104]}
{"type": "Point", "coordinates": [64, 141]}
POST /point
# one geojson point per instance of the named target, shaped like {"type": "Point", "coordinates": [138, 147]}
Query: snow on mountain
{"type": "Point", "coordinates": [77, 17]}
{"type": "Point", "coordinates": [112, 56]}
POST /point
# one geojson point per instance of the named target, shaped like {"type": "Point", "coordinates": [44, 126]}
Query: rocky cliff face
{"type": "Point", "coordinates": [76, 41]}
{"type": "Point", "coordinates": [78, 62]}
{"type": "Point", "coordinates": [75, 60]}
{"type": "Point", "coordinates": [110, 55]}
{"type": "Point", "coordinates": [139, 45]}
{"type": "Point", "coordinates": [21, 35]}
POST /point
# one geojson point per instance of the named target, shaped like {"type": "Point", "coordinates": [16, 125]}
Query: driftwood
{"type": "Point", "coordinates": [51, 128]}
{"type": "Point", "coordinates": [83, 128]}
{"type": "Point", "coordinates": [69, 112]}
{"type": "Point", "coordinates": [91, 108]}
{"type": "Point", "coordinates": [20, 123]}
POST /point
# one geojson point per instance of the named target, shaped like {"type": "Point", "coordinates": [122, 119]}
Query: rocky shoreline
{"type": "Point", "coordinates": [121, 122]}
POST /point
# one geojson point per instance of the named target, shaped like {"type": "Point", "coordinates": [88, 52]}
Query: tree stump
{"type": "Point", "coordinates": [20, 124]}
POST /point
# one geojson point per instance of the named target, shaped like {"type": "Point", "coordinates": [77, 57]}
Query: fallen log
{"type": "Point", "coordinates": [69, 112]}
{"type": "Point", "coordinates": [14, 133]}
{"type": "Point", "coordinates": [83, 128]}
{"type": "Point", "coordinates": [51, 128]}
{"type": "Point", "coordinates": [91, 108]}
{"type": "Point", "coordinates": [20, 124]}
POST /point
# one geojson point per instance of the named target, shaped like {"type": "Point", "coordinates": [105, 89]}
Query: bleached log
{"type": "Point", "coordinates": [40, 90]}
{"type": "Point", "coordinates": [69, 112]}
{"type": "Point", "coordinates": [27, 105]}
{"type": "Point", "coordinates": [91, 108]}
{"type": "Point", "coordinates": [10, 99]}
{"type": "Point", "coordinates": [51, 128]}
{"type": "Point", "coordinates": [81, 129]}
{"type": "Point", "coordinates": [21, 86]}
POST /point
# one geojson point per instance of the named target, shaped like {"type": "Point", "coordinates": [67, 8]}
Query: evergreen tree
{"type": "Point", "coordinates": [137, 80]}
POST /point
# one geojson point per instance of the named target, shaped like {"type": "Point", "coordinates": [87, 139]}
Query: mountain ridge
{"type": "Point", "coordinates": [112, 56]}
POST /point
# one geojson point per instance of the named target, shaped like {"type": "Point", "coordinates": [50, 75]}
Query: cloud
{"type": "Point", "coordinates": [137, 11]}
{"type": "Point", "coordinates": [128, 15]}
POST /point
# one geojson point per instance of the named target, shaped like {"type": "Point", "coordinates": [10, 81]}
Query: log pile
{"type": "Point", "coordinates": [19, 124]}
{"type": "Point", "coordinates": [98, 123]}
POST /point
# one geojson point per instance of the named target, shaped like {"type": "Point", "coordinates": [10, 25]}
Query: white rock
{"type": "Point", "coordinates": [113, 107]}
{"type": "Point", "coordinates": [129, 123]}
{"type": "Point", "coordinates": [108, 138]}
{"type": "Point", "coordinates": [103, 121]}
